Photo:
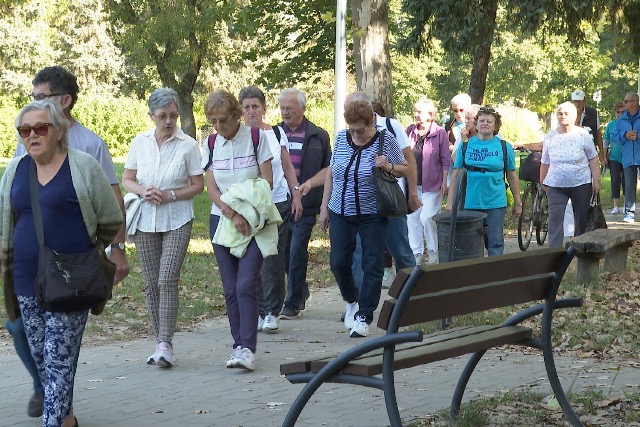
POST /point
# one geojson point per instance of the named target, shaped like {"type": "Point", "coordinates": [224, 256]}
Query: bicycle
{"type": "Point", "coordinates": [535, 207]}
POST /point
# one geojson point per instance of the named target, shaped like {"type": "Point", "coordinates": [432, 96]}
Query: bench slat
{"type": "Point", "coordinates": [471, 272]}
{"type": "Point", "coordinates": [456, 302]}
{"type": "Point", "coordinates": [427, 352]}
{"type": "Point", "coordinates": [301, 367]}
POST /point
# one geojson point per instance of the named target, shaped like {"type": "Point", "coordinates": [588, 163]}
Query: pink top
{"type": "Point", "coordinates": [436, 157]}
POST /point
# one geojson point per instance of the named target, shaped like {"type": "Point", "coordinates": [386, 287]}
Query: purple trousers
{"type": "Point", "coordinates": [240, 281]}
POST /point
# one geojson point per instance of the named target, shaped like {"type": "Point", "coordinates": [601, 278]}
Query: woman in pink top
{"type": "Point", "coordinates": [430, 146]}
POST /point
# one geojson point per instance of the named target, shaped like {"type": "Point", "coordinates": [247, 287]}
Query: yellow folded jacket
{"type": "Point", "coordinates": [251, 199]}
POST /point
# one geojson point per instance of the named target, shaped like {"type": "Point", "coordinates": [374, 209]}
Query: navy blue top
{"type": "Point", "coordinates": [64, 228]}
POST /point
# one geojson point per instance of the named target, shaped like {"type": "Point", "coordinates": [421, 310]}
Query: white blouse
{"type": "Point", "coordinates": [167, 167]}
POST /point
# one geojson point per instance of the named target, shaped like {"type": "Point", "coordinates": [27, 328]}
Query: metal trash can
{"type": "Point", "coordinates": [468, 240]}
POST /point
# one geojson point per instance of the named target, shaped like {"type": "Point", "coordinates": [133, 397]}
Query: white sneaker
{"type": "Point", "coordinates": [233, 358]}
{"type": "Point", "coordinates": [615, 210]}
{"type": "Point", "coordinates": [246, 359]}
{"type": "Point", "coordinates": [387, 279]}
{"type": "Point", "coordinates": [360, 328]}
{"type": "Point", "coordinates": [350, 310]}
{"type": "Point", "coordinates": [260, 323]}
{"type": "Point", "coordinates": [433, 257]}
{"type": "Point", "coordinates": [151, 360]}
{"type": "Point", "coordinates": [165, 355]}
{"type": "Point", "coordinates": [629, 217]}
{"type": "Point", "coordinates": [419, 258]}
{"type": "Point", "coordinates": [270, 323]}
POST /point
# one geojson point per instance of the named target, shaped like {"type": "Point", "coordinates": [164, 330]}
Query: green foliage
{"type": "Point", "coordinates": [116, 120]}
{"type": "Point", "coordinates": [8, 112]}
{"type": "Point", "coordinates": [519, 126]}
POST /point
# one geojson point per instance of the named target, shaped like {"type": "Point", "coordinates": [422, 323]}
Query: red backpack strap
{"type": "Point", "coordinates": [211, 142]}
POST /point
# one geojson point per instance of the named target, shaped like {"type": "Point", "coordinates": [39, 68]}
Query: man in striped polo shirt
{"type": "Point", "coordinates": [310, 153]}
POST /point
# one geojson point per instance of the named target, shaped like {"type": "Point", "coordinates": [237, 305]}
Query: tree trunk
{"type": "Point", "coordinates": [371, 50]}
{"type": "Point", "coordinates": [482, 55]}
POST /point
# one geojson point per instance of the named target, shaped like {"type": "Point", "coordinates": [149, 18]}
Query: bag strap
{"type": "Point", "coordinates": [35, 202]}
{"type": "Point", "coordinates": [211, 142]}
{"type": "Point", "coordinates": [381, 144]}
{"type": "Point", "coordinates": [390, 127]}
{"type": "Point", "coordinates": [276, 130]}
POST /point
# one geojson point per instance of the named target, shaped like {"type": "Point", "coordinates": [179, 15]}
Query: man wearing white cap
{"type": "Point", "coordinates": [588, 119]}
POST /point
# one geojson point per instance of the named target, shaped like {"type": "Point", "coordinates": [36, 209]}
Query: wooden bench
{"type": "Point", "coordinates": [610, 243]}
{"type": "Point", "coordinates": [438, 291]}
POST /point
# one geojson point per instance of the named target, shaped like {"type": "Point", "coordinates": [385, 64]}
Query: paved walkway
{"type": "Point", "coordinates": [114, 386]}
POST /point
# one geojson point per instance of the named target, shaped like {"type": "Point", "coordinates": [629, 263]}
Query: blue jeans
{"type": "Point", "coordinates": [16, 330]}
{"type": "Point", "coordinates": [630, 179]}
{"type": "Point", "coordinates": [494, 239]}
{"type": "Point", "coordinates": [342, 233]}
{"type": "Point", "coordinates": [298, 256]}
{"type": "Point", "coordinates": [397, 240]}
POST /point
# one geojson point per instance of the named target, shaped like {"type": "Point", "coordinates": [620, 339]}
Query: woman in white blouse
{"type": "Point", "coordinates": [164, 168]}
{"type": "Point", "coordinates": [569, 170]}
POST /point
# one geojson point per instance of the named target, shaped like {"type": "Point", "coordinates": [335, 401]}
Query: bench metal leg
{"type": "Point", "coordinates": [550, 364]}
{"type": "Point", "coordinates": [462, 383]}
{"type": "Point", "coordinates": [615, 259]}
{"type": "Point", "coordinates": [389, 388]}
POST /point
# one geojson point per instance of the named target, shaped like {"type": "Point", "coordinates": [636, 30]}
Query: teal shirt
{"type": "Point", "coordinates": [486, 190]}
{"type": "Point", "coordinates": [615, 148]}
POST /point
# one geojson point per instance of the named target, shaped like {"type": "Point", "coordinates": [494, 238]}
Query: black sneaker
{"type": "Point", "coordinates": [289, 313]}
{"type": "Point", "coordinates": [34, 407]}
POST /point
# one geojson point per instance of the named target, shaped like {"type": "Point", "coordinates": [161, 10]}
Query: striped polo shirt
{"type": "Point", "coordinates": [296, 140]}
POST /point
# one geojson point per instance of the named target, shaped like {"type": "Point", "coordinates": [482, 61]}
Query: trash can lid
{"type": "Point", "coordinates": [463, 216]}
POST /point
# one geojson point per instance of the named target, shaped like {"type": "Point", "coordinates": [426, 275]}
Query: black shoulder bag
{"type": "Point", "coordinates": [67, 282]}
{"type": "Point", "coordinates": [390, 200]}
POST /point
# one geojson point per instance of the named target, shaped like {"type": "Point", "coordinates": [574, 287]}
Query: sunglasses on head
{"type": "Point", "coordinates": [40, 130]}
{"type": "Point", "coordinates": [487, 110]}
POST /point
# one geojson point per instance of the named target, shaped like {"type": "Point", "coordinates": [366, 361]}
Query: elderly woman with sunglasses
{"type": "Point", "coordinates": [349, 205]}
{"type": "Point", "coordinates": [73, 186]}
{"type": "Point", "coordinates": [238, 156]}
{"type": "Point", "coordinates": [483, 158]}
{"type": "Point", "coordinates": [163, 169]}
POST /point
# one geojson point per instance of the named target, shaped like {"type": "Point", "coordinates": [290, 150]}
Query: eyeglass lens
{"type": "Point", "coordinates": [41, 96]}
{"type": "Point", "coordinates": [40, 130]}
{"type": "Point", "coordinates": [163, 116]}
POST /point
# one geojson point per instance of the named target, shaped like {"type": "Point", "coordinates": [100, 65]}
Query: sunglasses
{"type": "Point", "coordinates": [458, 110]}
{"type": "Point", "coordinates": [486, 109]}
{"type": "Point", "coordinates": [40, 130]}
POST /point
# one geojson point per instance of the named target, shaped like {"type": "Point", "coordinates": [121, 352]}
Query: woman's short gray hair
{"type": "Point", "coordinates": [300, 97]}
{"type": "Point", "coordinates": [425, 104]}
{"type": "Point", "coordinates": [162, 97]}
{"type": "Point", "coordinates": [56, 118]}
{"type": "Point", "coordinates": [250, 92]}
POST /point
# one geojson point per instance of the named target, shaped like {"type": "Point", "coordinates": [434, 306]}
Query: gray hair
{"type": "Point", "coordinates": [473, 109]}
{"type": "Point", "coordinates": [56, 117]}
{"type": "Point", "coordinates": [461, 99]}
{"type": "Point", "coordinates": [301, 98]}
{"type": "Point", "coordinates": [426, 103]}
{"type": "Point", "coordinates": [249, 92]}
{"type": "Point", "coordinates": [162, 97]}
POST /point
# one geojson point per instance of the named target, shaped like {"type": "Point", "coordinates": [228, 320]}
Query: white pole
{"type": "Point", "coordinates": [340, 66]}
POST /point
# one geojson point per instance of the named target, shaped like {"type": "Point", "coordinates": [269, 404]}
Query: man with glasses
{"type": "Point", "coordinates": [57, 82]}
{"type": "Point", "coordinates": [626, 133]}
{"type": "Point", "coordinates": [310, 154]}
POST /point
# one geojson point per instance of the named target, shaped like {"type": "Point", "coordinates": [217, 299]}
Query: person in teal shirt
{"type": "Point", "coordinates": [614, 149]}
{"type": "Point", "coordinates": [483, 159]}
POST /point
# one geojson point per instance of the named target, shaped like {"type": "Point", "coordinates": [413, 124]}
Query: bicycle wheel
{"type": "Point", "coordinates": [542, 225]}
{"type": "Point", "coordinates": [525, 222]}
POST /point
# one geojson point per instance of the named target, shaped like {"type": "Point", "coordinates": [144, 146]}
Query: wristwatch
{"type": "Point", "coordinates": [173, 196]}
{"type": "Point", "coordinates": [120, 246]}
{"type": "Point", "coordinates": [296, 187]}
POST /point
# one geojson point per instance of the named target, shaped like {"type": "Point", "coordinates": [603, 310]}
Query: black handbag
{"type": "Point", "coordinates": [67, 282]}
{"type": "Point", "coordinates": [595, 216]}
{"type": "Point", "coordinates": [390, 200]}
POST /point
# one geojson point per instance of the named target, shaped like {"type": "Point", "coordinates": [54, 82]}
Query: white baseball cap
{"type": "Point", "coordinates": [577, 95]}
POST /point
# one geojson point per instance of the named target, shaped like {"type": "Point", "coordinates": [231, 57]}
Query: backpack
{"type": "Point", "coordinates": [484, 170]}
{"type": "Point", "coordinates": [255, 137]}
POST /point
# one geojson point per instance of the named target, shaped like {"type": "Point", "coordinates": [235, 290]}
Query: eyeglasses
{"type": "Point", "coordinates": [458, 110]}
{"type": "Point", "coordinates": [40, 130]}
{"type": "Point", "coordinates": [163, 116]}
{"type": "Point", "coordinates": [357, 131]}
{"type": "Point", "coordinates": [628, 100]}
{"type": "Point", "coordinates": [41, 96]}
{"type": "Point", "coordinates": [221, 121]}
